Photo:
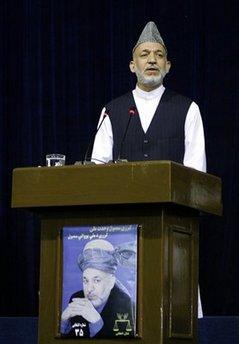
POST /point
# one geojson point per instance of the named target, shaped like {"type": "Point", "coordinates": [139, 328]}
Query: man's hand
{"type": "Point", "coordinates": [83, 307]}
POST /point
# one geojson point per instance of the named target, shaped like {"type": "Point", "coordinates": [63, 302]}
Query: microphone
{"type": "Point", "coordinates": [132, 111]}
{"type": "Point", "coordinates": [85, 161]}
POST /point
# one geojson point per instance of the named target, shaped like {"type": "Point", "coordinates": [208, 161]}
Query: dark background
{"type": "Point", "coordinates": [60, 62]}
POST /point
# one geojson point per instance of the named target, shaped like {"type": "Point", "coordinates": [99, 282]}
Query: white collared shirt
{"type": "Point", "coordinates": [146, 103]}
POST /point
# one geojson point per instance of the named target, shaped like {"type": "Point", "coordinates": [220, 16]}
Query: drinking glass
{"type": "Point", "coordinates": [55, 160]}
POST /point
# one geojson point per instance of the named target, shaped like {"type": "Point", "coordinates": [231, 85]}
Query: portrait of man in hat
{"type": "Point", "coordinates": [103, 307]}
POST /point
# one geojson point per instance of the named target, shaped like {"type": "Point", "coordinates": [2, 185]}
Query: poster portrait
{"type": "Point", "coordinates": [99, 281]}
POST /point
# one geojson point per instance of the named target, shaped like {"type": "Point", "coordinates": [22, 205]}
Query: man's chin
{"type": "Point", "coordinates": [153, 82]}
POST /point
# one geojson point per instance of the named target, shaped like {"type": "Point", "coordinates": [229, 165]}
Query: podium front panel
{"type": "Point", "coordinates": [167, 255]}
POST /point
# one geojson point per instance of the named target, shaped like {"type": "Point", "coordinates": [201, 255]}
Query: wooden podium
{"type": "Point", "coordinates": [163, 198]}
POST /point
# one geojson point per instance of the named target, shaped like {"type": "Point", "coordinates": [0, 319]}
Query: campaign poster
{"type": "Point", "coordinates": [99, 281]}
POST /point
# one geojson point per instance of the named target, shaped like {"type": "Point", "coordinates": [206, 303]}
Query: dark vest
{"type": "Point", "coordinates": [164, 139]}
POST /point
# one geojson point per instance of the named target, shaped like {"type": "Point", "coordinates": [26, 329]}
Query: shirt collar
{"type": "Point", "coordinates": [149, 95]}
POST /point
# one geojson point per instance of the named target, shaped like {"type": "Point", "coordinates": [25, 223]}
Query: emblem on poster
{"type": "Point", "coordinates": [122, 325]}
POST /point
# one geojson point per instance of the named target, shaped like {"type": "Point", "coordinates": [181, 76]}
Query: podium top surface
{"type": "Point", "coordinates": [125, 183]}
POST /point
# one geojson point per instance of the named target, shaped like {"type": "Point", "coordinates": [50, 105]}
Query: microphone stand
{"type": "Point", "coordinates": [131, 112]}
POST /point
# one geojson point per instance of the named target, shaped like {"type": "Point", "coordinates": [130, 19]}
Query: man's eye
{"type": "Point", "coordinates": [97, 280]}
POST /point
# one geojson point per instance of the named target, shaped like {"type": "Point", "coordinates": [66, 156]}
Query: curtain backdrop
{"type": "Point", "coordinates": [60, 62]}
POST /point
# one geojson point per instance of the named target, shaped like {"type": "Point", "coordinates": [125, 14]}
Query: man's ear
{"type": "Point", "coordinates": [168, 66]}
{"type": "Point", "coordinates": [132, 66]}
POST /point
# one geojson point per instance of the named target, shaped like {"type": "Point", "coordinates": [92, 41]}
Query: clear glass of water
{"type": "Point", "coordinates": [55, 160]}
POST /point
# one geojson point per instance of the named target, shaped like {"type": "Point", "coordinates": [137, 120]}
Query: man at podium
{"type": "Point", "coordinates": [151, 122]}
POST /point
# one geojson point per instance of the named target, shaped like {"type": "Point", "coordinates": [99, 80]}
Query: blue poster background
{"type": "Point", "coordinates": [75, 238]}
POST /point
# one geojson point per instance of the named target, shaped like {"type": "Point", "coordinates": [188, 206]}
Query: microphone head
{"type": "Point", "coordinates": [132, 111]}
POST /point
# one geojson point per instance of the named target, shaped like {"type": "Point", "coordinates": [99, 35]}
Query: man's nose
{"type": "Point", "coordinates": [151, 58]}
{"type": "Point", "coordinates": [90, 287]}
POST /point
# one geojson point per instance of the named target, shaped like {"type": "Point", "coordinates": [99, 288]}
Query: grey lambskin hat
{"type": "Point", "coordinates": [150, 33]}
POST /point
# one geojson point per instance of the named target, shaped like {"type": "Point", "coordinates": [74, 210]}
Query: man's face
{"type": "Point", "coordinates": [150, 65]}
{"type": "Point", "coordinates": [97, 285]}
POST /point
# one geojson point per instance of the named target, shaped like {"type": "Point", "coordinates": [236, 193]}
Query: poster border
{"type": "Point", "coordinates": [59, 281]}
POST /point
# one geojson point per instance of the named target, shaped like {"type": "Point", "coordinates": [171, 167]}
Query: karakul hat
{"type": "Point", "coordinates": [150, 33]}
